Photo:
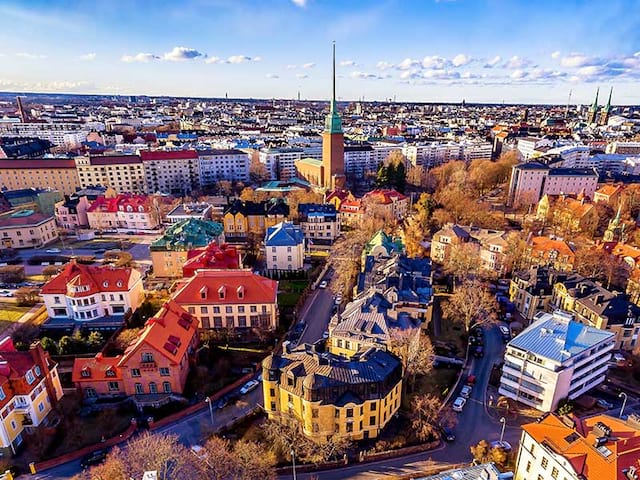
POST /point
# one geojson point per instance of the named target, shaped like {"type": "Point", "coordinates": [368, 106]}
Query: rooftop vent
{"type": "Point", "coordinates": [601, 429]}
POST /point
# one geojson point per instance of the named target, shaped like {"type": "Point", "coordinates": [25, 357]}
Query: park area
{"type": "Point", "coordinates": [10, 313]}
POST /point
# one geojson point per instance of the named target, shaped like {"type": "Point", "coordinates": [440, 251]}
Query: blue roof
{"type": "Point", "coordinates": [558, 338]}
{"type": "Point", "coordinates": [284, 234]}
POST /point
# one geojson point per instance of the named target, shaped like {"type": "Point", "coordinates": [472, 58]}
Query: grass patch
{"type": "Point", "coordinates": [11, 313]}
{"type": "Point", "coordinates": [288, 299]}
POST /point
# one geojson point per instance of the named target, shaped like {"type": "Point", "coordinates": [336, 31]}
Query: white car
{"type": "Point", "coordinates": [458, 404]}
{"type": "Point", "coordinates": [466, 391]}
{"type": "Point", "coordinates": [338, 300]}
{"type": "Point", "coordinates": [5, 293]}
{"type": "Point", "coordinates": [53, 250]}
{"type": "Point", "coordinates": [249, 386]}
{"type": "Point", "coordinates": [323, 284]}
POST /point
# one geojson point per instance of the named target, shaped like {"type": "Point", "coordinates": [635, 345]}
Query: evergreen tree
{"type": "Point", "coordinates": [382, 176]}
{"type": "Point", "coordinates": [400, 177]}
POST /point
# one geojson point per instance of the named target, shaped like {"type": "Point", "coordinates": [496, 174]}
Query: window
{"type": "Point", "coordinates": [229, 309]}
{"type": "Point", "coordinates": [114, 386]}
{"type": "Point", "coordinates": [164, 371]}
{"type": "Point", "coordinates": [30, 378]}
{"type": "Point", "coordinates": [314, 413]}
{"type": "Point", "coordinates": [349, 412]}
{"type": "Point", "coordinates": [253, 309]}
{"type": "Point", "coordinates": [135, 372]}
{"type": "Point", "coordinates": [139, 390]}
{"type": "Point", "coordinates": [153, 387]}
{"type": "Point", "coordinates": [110, 373]}
{"type": "Point", "coordinates": [241, 309]}
{"type": "Point", "coordinates": [272, 392]}
{"type": "Point", "coordinates": [374, 406]}
{"type": "Point", "coordinates": [337, 413]}
{"type": "Point", "coordinates": [203, 310]}
{"type": "Point", "coordinates": [192, 310]}
{"type": "Point", "coordinates": [147, 357]}
{"type": "Point", "coordinates": [545, 462]}
{"type": "Point", "coordinates": [86, 373]}
{"type": "Point", "coordinates": [288, 249]}
{"type": "Point", "coordinates": [166, 387]}
{"type": "Point", "coordinates": [90, 392]}
{"type": "Point", "coordinates": [554, 472]}
{"type": "Point", "coordinates": [2, 394]}
{"type": "Point", "coordinates": [372, 421]}
{"type": "Point", "coordinates": [349, 427]}
{"type": "Point", "coordinates": [528, 467]}
{"type": "Point", "coordinates": [216, 309]}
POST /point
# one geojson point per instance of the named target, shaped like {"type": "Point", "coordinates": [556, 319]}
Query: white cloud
{"type": "Point", "coordinates": [309, 65]}
{"type": "Point", "coordinates": [364, 75]}
{"type": "Point", "coordinates": [214, 60]}
{"type": "Point", "coordinates": [272, 75]}
{"type": "Point", "coordinates": [300, 3]}
{"type": "Point", "coordinates": [347, 63]}
{"type": "Point", "coordinates": [518, 74]}
{"type": "Point", "coordinates": [257, 59]}
{"type": "Point", "coordinates": [88, 57]}
{"type": "Point", "coordinates": [441, 74]}
{"type": "Point", "coordinates": [408, 63]}
{"type": "Point", "coordinates": [30, 56]}
{"type": "Point", "coordinates": [302, 75]}
{"type": "Point", "coordinates": [576, 60]}
{"type": "Point", "coordinates": [493, 62]}
{"type": "Point", "coordinates": [238, 59]}
{"type": "Point", "coordinates": [517, 62]}
{"type": "Point", "coordinates": [54, 86]}
{"type": "Point", "coordinates": [435, 61]}
{"type": "Point", "coordinates": [382, 65]}
{"type": "Point", "coordinates": [407, 74]}
{"type": "Point", "coordinates": [555, 55]}
{"type": "Point", "coordinates": [291, 67]}
{"type": "Point", "coordinates": [140, 57]}
{"type": "Point", "coordinates": [460, 60]}
{"type": "Point", "coordinates": [180, 54]}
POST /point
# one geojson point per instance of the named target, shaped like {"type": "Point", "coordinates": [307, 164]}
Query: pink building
{"type": "Point", "coordinates": [71, 213]}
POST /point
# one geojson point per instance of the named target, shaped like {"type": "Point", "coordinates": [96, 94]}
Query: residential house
{"type": "Point", "coordinates": [609, 194]}
{"type": "Point", "coordinates": [351, 212]}
{"type": "Point", "coordinates": [211, 257]}
{"type": "Point", "coordinates": [596, 447]}
{"type": "Point", "coordinates": [554, 358]}
{"type": "Point", "coordinates": [230, 300]}
{"type": "Point", "coordinates": [597, 307]}
{"type": "Point", "coordinates": [332, 397]}
{"type": "Point", "coordinates": [93, 296]}
{"type": "Point", "coordinates": [71, 213]}
{"type": "Point", "coordinates": [242, 219]}
{"type": "Point", "coordinates": [381, 244]}
{"type": "Point", "coordinates": [337, 197]}
{"type": "Point", "coordinates": [319, 222]}
{"type": "Point", "coordinates": [26, 229]}
{"type": "Point", "coordinates": [156, 362]}
{"type": "Point", "coordinates": [531, 290]}
{"type": "Point", "coordinates": [386, 203]}
{"type": "Point", "coordinates": [186, 211]}
{"type": "Point", "coordinates": [569, 215]}
{"type": "Point", "coordinates": [170, 252]}
{"type": "Point", "coordinates": [550, 251]}
{"type": "Point", "coordinates": [124, 213]}
{"type": "Point", "coordinates": [29, 390]}
{"type": "Point", "coordinates": [284, 246]}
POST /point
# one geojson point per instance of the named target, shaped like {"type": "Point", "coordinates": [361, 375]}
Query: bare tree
{"type": "Point", "coordinates": [242, 460]}
{"type": "Point", "coordinates": [413, 235]}
{"type": "Point", "coordinates": [427, 415]}
{"type": "Point", "coordinates": [471, 304]}
{"type": "Point", "coordinates": [415, 351]}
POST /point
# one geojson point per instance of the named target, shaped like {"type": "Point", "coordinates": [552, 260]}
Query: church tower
{"type": "Point", "coordinates": [606, 110]}
{"type": "Point", "coordinates": [593, 111]}
{"type": "Point", "coordinates": [333, 142]}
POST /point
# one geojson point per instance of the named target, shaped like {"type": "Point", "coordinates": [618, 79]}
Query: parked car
{"type": "Point", "coordinates": [5, 293]}
{"type": "Point", "coordinates": [323, 284]}
{"type": "Point", "coordinates": [325, 334]}
{"type": "Point", "coordinates": [506, 335]}
{"type": "Point", "coordinates": [53, 250]}
{"type": "Point", "coordinates": [448, 435]}
{"type": "Point", "coordinates": [93, 458]}
{"type": "Point", "coordinates": [338, 300]}
{"type": "Point", "coordinates": [458, 404]}
{"type": "Point", "coordinates": [466, 391]}
{"type": "Point", "coordinates": [471, 380]}
{"type": "Point", "coordinates": [479, 351]}
{"type": "Point", "coordinates": [604, 404]}
{"type": "Point", "coordinates": [503, 444]}
{"type": "Point", "coordinates": [249, 386]}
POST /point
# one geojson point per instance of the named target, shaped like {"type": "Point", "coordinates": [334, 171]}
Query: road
{"type": "Point", "coordinates": [191, 430]}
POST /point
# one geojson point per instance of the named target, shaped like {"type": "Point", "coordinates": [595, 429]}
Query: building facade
{"type": "Point", "coordinates": [71, 213]}
{"type": "Point", "coordinates": [27, 229]}
{"type": "Point", "coordinates": [242, 219]}
{"type": "Point", "coordinates": [171, 171]}
{"type": "Point", "coordinates": [319, 222]}
{"type": "Point", "coordinates": [215, 165]}
{"type": "Point", "coordinates": [57, 173]}
{"type": "Point", "coordinates": [124, 212]}
{"type": "Point", "coordinates": [123, 173]}
{"type": "Point", "coordinates": [284, 246]}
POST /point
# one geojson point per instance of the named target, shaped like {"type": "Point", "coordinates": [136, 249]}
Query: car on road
{"type": "Point", "coordinates": [448, 435]}
{"type": "Point", "coordinates": [504, 331]}
{"type": "Point", "coordinates": [466, 391]}
{"type": "Point", "coordinates": [458, 404]}
{"type": "Point", "coordinates": [5, 293]}
{"type": "Point", "coordinates": [604, 404]}
{"type": "Point", "coordinates": [53, 250]}
{"type": "Point", "coordinates": [93, 458]}
{"type": "Point", "coordinates": [502, 444]}
{"type": "Point", "coordinates": [249, 386]}
{"type": "Point", "coordinates": [323, 284]}
{"type": "Point", "coordinates": [338, 300]}
{"type": "Point", "coordinates": [479, 351]}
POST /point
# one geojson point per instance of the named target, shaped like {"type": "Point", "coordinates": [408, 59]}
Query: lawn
{"type": "Point", "coordinates": [11, 313]}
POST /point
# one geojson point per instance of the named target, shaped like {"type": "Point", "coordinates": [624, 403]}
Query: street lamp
{"type": "Point", "coordinates": [503, 421]}
{"type": "Point", "coordinates": [293, 460]}
{"type": "Point", "coordinates": [208, 400]}
{"type": "Point", "coordinates": [624, 402]}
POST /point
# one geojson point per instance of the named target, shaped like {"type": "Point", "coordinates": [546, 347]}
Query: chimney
{"type": "Point", "coordinates": [599, 299]}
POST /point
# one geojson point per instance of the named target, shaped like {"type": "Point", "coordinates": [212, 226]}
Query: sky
{"type": "Point", "coordinates": [512, 51]}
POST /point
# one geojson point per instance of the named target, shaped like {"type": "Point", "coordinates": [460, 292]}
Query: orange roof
{"type": "Point", "coordinates": [169, 332]}
{"type": "Point", "coordinates": [223, 257]}
{"type": "Point", "coordinates": [619, 249]}
{"type": "Point", "coordinates": [608, 190]}
{"type": "Point", "coordinates": [545, 245]}
{"type": "Point", "coordinates": [97, 278]}
{"type": "Point", "coordinates": [577, 444]}
{"type": "Point", "coordinates": [386, 196]}
{"type": "Point", "coordinates": [97, 368]}
{"type": "Point", "coordinates": [226, 287]}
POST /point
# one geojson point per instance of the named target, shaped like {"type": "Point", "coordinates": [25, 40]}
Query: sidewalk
{"type": "Point", "coordinates": [23, 319]}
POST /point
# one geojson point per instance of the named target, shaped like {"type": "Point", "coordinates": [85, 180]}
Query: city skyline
{"type": "Point", "coordinates": [414, 51]}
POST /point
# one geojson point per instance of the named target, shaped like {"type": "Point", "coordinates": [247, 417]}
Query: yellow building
{"type": "Point", "coordinates": [123, 173]}
{"type": "Point", "coordinates": [330, 396]}
{"type": "Point", "coordinates": [29, 389]}
{"type": "Point", "coordinates": [26, 229]}
{"type": "Point", "coordinates": [244, 218]}
{"type": "Point", "coordinates": [55, 173]}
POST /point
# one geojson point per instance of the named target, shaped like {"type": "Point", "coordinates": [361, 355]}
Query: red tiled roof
{"type": "Point", "coordinates": [38, 164]}
{"type": "Point", "coordinates": [13, 367]}
{"type": "Point", "coordinates": [239, 286]}
{"type": "Point", "coordinates": [147, 155]}
{"type": "Point", "coordinates": [169, 332]}
{"type": "Point", "coordinates": [97, 278]}
{"type": "Point", "coordinates": [223, 257]}
{"type": "Point", "coordinates": [385, 196]}
{"type": "Point", "coordinates": [33, 219]}
{"type": "Point", "coordinates": [120, 203]}
{"type": "Point", "coordinates": [97, 367]}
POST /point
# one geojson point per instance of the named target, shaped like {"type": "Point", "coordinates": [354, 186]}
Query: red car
{"type": "Point", "coordinates": [471, 380]}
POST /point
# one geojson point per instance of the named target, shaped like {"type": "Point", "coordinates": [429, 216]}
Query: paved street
{"type": "Point", "coordinates": [317, 312]}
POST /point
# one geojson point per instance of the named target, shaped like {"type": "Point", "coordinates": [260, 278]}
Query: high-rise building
{"type": "Point", "coordinates": [333, 141]}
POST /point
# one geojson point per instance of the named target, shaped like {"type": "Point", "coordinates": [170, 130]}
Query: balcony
{"type": "Point", "coordinates": [21, 405]}
{"type": "Point", "coordinates": [148, 365]}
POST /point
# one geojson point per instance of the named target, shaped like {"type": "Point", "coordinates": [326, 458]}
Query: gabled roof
{"type": "Point", "coordinates": [546, 245]}
{"type": "Point", "coordinates": [169, 332]}
{"type": "Point", "coordinates": [284, 234]}
{"type": "Point", "coordinates": [237, 286]}
{"type": "Point", "coordinates": [97, 278]}
{"type": "Point", "coordinates": [221, 257]}
{"type": "Point", "coordinates": [96, 368]}
{"type": "Point", "coordinates": [385, 196]}
{"type": "Point", "coordinates": [148, 155]}
{"type": "Point", "coordinates": [120, 202]}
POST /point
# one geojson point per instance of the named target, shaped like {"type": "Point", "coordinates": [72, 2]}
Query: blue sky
{"type": "Point", "coordinates": [422, 50]}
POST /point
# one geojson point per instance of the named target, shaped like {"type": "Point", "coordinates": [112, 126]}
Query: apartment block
{"type": "Point", "coordinates": [123, 173]}
{"type": "Point", "coordinates": [56, 173]}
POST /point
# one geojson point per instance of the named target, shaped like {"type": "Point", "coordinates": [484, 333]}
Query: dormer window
{"type": "Point", "coordinates": [240, 291]}
{"type": "Point", "coordinates": [119, 284]}
{"type": "Point", "coordinates": [203, 292]}
{"type": "Point", "coordinates": [110, 373]}
{"type": "Point", "coordinates": [141, 209]}
{"type": "Point", "coordinates": [147, 357]}
{"type": "Point", "coordinates": [30, 378]}
{"type": "Point", "coordinates": [221, 292]}
{"type": "Point", "coordinates": [105, 284]}
{"type": "Point", "coordinates": [86, 373]}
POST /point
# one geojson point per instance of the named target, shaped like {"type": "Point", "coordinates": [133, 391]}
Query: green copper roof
{"type": "Point", "coordinates": [188, 234]}
{"type": "Point", "coordinates": [594, 106]}
{"type": "Point", "coordinates": [380, 238]}
{"type": "Point", "coordinates": [333, 123]}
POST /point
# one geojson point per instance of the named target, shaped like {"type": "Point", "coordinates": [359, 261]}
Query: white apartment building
{"type": "Point", "coordinates": [623, 148]}
{"type": "Point", "coordinates": [320, 223]}
{"type": "Point", "coordinates": [434, 154]}
{"type": "Point", "coordinates": [527, 146]}
{"type": "Point", "coordinates": [476, 151]}
{"type": "Point", "coordinates": [553, 359]}
{"type": "Point", "coordinates": [573, 156]}
{"type": "Point", "coordinates": [284, 247]}
{"type": "Point", "coordinates": [171, 171]}
{"type": "Point", "coordinates": [280, 162]}
{"type": "Point", "coordinates": [222, 164]}
{"type": "Point", "coordinates": [123, 173]}
{"type": "Point", "coordinates": [67, 135]}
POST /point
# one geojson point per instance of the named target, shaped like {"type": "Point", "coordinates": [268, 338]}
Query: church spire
{"type": "Point", "coordinates": [608, 107]}
{"type": "Point", "coordinates": [332, 123]}
{"type": "Point", "coordinates": [333, 75]}
{"type": "Point", "coordinates": [594, 107]}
